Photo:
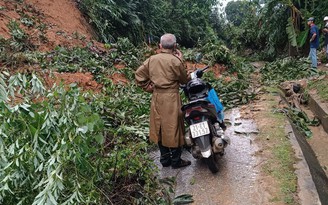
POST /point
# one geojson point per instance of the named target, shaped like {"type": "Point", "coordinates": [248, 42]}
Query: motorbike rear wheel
{"type": "Point", "coordinates": [211, 163]}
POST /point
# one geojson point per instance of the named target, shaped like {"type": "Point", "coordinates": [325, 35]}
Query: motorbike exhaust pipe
{"type": "Point", "coordinates": [218, 145]}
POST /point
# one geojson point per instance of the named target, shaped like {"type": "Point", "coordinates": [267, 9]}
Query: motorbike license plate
{"type": "Point", "coordinates": [199, 129]}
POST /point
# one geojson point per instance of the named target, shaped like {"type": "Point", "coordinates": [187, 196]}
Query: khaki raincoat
{"type": "Point", "coordinates": [164, 72]}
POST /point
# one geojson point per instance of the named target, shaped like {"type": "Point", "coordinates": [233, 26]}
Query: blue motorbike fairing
{"type": "Point", "coordinates": [214, 99]}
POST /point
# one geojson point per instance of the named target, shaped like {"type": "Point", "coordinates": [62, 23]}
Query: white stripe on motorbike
{"type": "Point", "coordinates": [207, 154]}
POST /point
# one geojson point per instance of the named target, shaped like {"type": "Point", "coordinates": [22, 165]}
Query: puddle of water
{"type": "Point", "coordinates": [234, 184]}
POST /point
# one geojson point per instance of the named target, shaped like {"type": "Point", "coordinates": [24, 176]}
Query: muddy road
{"type": "Point", "coordinates": [235, 183]}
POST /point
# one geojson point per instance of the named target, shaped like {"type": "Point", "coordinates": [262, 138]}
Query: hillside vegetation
{"type": "Point", "coordinates": [74, 126]}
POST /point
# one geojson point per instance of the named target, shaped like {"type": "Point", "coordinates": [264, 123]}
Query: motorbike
{"type": "Point", "coordinates": [204, 136]}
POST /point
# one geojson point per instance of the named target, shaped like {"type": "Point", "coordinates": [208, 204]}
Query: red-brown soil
{"type": "Point", "coordinates": [84, 80]}
{"type": "Point", "coordinates": [60, 23]}
{"type": "Point", "coordinates": [119, 78]}
{"type": "Point", "coordinates": [217, 69]}
{"type": "Point", "coordinates": [56, 22]}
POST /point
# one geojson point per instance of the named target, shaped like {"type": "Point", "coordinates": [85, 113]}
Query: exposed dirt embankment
{"type": "Point", "coordinates": [84, 80]}
{"type": "Point", "coordinates": [49, 23]}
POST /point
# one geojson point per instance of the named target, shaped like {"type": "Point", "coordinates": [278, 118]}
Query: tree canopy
{"type": "Point", "coordinates": [143, 20]}
{"type": "Point", "coordinates": [270, 26]}
{"type": "Point", "coordinates": [237, 11]}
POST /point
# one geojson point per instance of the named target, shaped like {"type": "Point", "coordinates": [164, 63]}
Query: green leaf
{"type": "Point", "coordinates": [52, 199]}
{"type": "Point", "coordinates": [302, 37]}
{"type": "Point", "coordinates": [290, 29]}
{"type": "Point", "coordinates": [183, 199]}
{"type": "Point", "coordinates": [3, 94]}
{"type": "Point", "coordinates": [99, 138]}
{"type": "Point", "coordinates": [83, 129]}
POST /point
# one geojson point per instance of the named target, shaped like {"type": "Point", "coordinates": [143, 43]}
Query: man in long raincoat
{"type": "Point", "coordinates": [161, 74]}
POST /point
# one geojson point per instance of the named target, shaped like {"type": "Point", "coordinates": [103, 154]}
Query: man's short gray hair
{"type": "Point", "coordinates": [168, 40]}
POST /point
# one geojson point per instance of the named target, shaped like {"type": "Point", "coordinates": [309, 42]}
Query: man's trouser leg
{"type": "Point", "coordinates": [165, 155]}
{"type": "Point", "coordinates": [176, 156]}
{"type": "Point", "coordinates": [313, 57]}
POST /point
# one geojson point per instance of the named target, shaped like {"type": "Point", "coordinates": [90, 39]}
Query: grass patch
{"type": "Point", "coordinates": [321, 86]}
{"type": "Point", "coordinates": [278, 147]}
{"type": "Point", "coordinates": [284, 156]}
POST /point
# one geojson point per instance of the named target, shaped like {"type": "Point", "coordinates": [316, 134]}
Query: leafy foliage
{"type": "Point", "coordinates": [302, 121]}
{"type": "Point", "coordinates": [112, 17]}
{"type": "Point", "coordinates": [89, 59]}
{"type": "Point", "coordinates": [73, 60]}
{"type": "Point", "coordinates": [286, 30]}
{"type": "Point", "coordinates": [217, 53]}
{"type": "Point", "coordinates": [212, 51]}
{"type": "Point", "coordinates": [19, 39]}
{"type": "Point", "coordinates": [243, 27]}
{"type": "Point", "coordinates": [290, 30]}
{"type": "Point", "coordinates": [235, 91]}
{"type": "Point", "coordinates": [187, 19]}
{"type": "Point", "coordinates": [17, 49]}
{"type": "Point", "coordinates": [286, 69]}
{"type": "Point", "coordinates": [302, 37]}
{"type": "Point", "coordinates": [61, 146]}
{"type": "Point", "coordinates": [321, 87]}
{"type": "Point", "coordinates": [70, 148]}
{"type": "Point", "coordinates": [273, 34]}
{"type": "Point", "coordinates": [237, 11]}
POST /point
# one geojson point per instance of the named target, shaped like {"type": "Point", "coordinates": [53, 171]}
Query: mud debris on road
{"type": "Point", "coordinates": [235, 181]}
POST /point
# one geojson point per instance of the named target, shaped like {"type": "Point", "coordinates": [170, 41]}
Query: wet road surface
{"type": "Point", "coordinates": [235, 183]}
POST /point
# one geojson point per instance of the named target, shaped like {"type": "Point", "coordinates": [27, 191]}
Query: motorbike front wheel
{"type": "Point", "coordinates": [211, 163]}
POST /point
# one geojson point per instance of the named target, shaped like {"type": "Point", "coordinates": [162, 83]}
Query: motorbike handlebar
{"type": "Point", "coordinates": [199, 72]}
{"type": "Point", "coordinates": [204, 68]}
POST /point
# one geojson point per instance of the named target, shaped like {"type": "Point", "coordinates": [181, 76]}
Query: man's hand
{"type": "Point", "coordinates": [149, 88]}
{"type": "Point", "coordinates": [178, 54]}
{"type": "Point", "coordinates": [313, 37]}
